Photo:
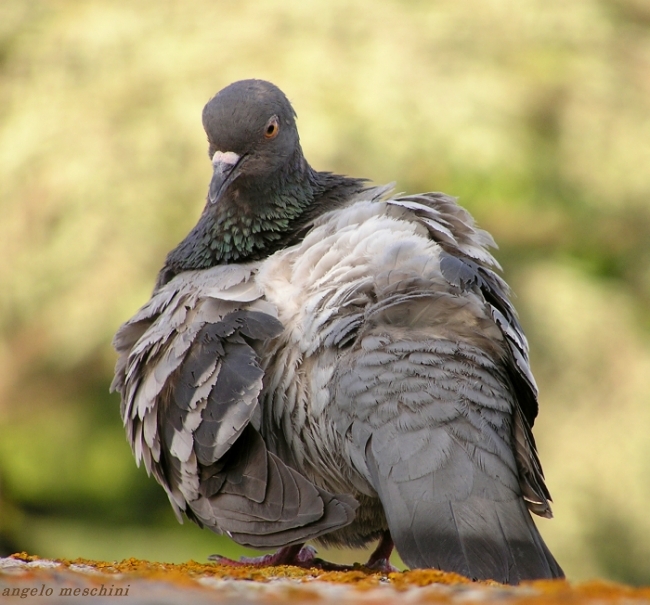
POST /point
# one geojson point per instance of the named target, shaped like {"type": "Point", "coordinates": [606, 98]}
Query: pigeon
{"type": "Point", "coordinates": [324, 360]}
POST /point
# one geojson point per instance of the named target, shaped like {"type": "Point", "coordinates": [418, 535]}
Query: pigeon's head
{"type": "Point", "coordinates": [252, 136]}
{"type": "Point", "coordinates": [263, 192]}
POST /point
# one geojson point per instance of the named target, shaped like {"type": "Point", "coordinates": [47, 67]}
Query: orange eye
{"type": "Point", "coordinates": [272, 128]}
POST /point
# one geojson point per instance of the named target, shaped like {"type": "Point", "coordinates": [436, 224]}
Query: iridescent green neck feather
{"type": "Point", "coordinates": [253, 222]}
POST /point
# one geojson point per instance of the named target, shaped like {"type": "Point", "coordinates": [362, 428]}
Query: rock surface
{"type": "Point", "coordinates": [30, 579]}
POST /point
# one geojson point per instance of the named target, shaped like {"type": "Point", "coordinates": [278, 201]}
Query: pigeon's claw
{"type": "Point", "coordinates": [380, 559]}
{"type": "Point", "coordinates": [297, 555]}
{"type": "Point", "coordinates": [303, 556]}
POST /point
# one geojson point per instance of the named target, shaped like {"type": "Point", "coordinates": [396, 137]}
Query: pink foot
{"type": "Point", "coordinates": [382, 566]}
{"type": "Point", "coordinates": [305, 557]}
{"type": "Point", "coordinates": [298, 555]}
{"type": "Point", "coordinates": [380, 559]}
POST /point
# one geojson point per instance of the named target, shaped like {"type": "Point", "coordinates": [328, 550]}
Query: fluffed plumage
{"type": "Point", "coordinates": [322, 360]}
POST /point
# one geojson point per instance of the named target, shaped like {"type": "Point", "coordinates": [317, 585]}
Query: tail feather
{"type": "Point", "coordinates": [477, 536]}
{"type": "Point", "coordinates": [532, 558]}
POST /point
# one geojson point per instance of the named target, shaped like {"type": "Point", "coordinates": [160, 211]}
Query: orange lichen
{"type": "Point", "coordinates": [23, 556]}
{"type": "Point", "coordinates": [188, 575]}
{"type": "Point", "coordinates": [359, 576]}
{"type": "Point", "coordinates": [425, 577]}
{"type": "Point", "coordinates": [600, 589]}
{"type": "Point", "coordinates": [192, 569]}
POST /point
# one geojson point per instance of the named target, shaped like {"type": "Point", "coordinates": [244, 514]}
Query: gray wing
{"type": "Point", "coordinates": [437, 400]}
{"type": "Point", "coordinates": [189, 374]}
{"type": "Point", "coordinates": [468, 267]}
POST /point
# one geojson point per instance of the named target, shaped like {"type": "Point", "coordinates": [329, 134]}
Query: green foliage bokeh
{"type": "Point", "coordinates": [535, 113]}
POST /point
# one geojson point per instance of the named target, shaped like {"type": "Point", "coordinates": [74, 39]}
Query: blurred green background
{"type": "Point", "coordinates": [536, 113]}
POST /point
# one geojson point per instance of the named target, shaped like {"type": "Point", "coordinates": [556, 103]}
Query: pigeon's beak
{"type": "Point", "coordinates": [224, 165]}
